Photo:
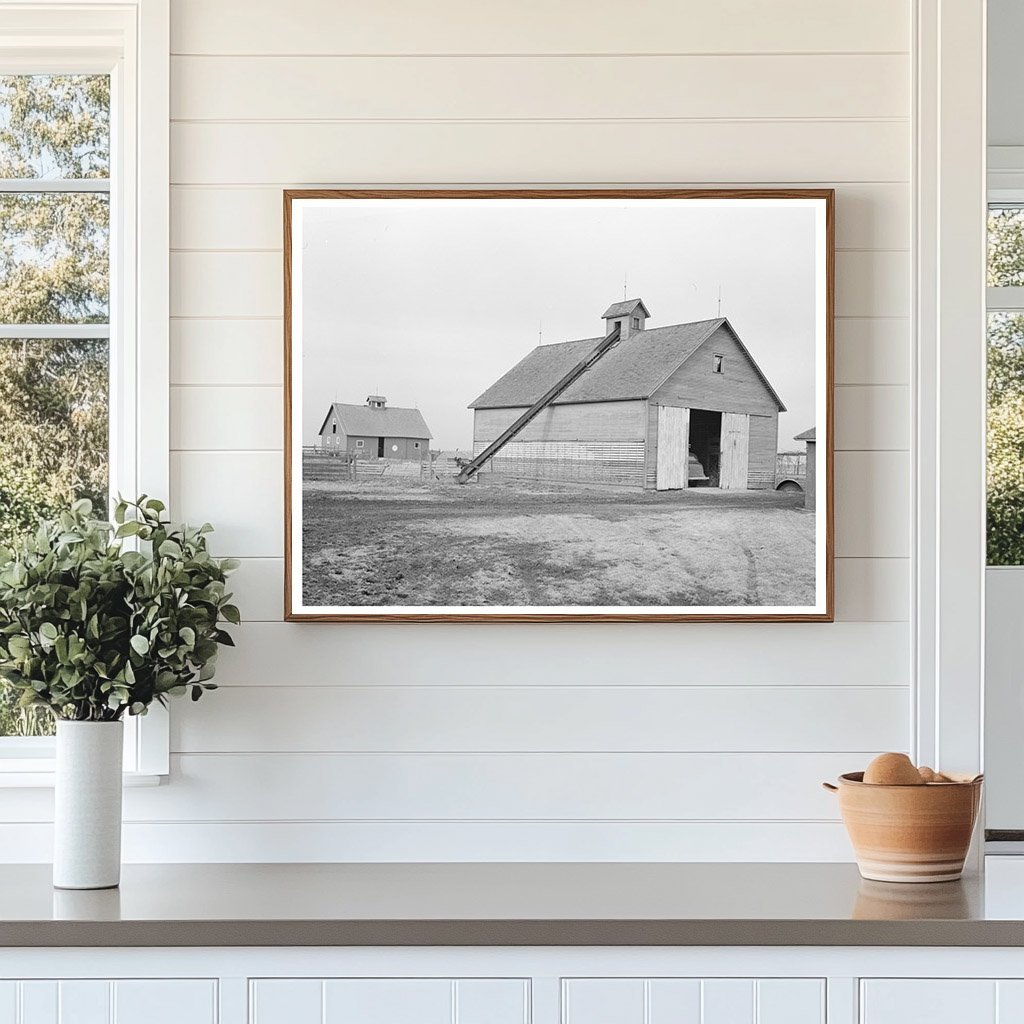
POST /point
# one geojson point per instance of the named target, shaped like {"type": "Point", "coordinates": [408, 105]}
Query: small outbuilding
{"type": "Point", "coordinates": [809, 437]}
{"type": "Point", "coordinates": [376, 431]}
{"type": "Point", "coordinates": [661, 408]}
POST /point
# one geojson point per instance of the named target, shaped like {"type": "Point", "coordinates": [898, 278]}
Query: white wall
{"type": "Point", "coordinates": [688, 741]}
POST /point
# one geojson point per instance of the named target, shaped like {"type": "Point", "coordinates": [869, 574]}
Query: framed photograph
{"type": "Point", "coordinates": [558, 405]}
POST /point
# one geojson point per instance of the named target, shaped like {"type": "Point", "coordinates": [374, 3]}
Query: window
{"type": "Point", "coordinates": [334, 428]}
{"type": "Point", "coordinates": [54, 308]}
{"type": "Point", "coordinates": [359, 443]}
{"type": "Point", "coordinates": [636, 323]}
{"type": "Point", "coordinates": [415, 444]}
{"type": "Point", "coordinates": [83, 262]}
{"type": "Point", "coordinates": [717, 363]}
{"type": "Point", "coordinates": [1005, 471]}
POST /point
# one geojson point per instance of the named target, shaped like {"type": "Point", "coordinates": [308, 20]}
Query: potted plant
{"type": "Point", "coordinates": [99, 620]}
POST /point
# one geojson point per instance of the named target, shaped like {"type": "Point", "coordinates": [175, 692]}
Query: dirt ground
{"type": "Point", "coordinates": [400, 542]}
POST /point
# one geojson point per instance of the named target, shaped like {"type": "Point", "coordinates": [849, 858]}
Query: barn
{"type": "Point", "coordinates": [810, 437]}
{"type": "Point", "coordinates": [659, 408]}
{"type": "Point", "coordinates": [376, 431]}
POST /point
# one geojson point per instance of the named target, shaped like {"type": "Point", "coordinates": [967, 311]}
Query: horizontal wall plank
{"type": "Point", "coordinates": [233, 284]}
{"type": "Point", "coordinates": [712, 719]}
{"type": "Point", "coordinates": [538, 88]}
{"type": "Point", "coordinates": [239, 418]}
{"type": "Point", "coordinates": [872, 504]}
{"type": "Point", "coordinates": [534, 26]}
{"type": "Point", "coordinates": [258, 586]}
{"type": "Point", "coordinates": [872, 418]}
{"type": "Point", "coordinates": [873, 284]}
{"type": "Point", "coordinates": [873, 589]}
{"type": "Point", "coordinates": [867, 589]}
{"type": "Point", "coordinates": [376, 787]}
{"type": "Point", "coordinates": [579, 151]}
{"type": "Point", "coordinates": [239, 492]}
{"type": "Point", "coordinates": [456, 842]}
{"type": "Point", "coordinates": [868, 216]}
{"type": "Point", "coordinates": [873, 351]}
{"type": "Point", "coordinates": [582, 654]}
{"type": "Point", "coordinates": [205, 284]}
{"type": "Point", "coordinates": [227, 352]}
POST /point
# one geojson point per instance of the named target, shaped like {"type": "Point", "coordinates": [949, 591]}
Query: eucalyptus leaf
{"type": "Point", "coordinates": [93, 631]}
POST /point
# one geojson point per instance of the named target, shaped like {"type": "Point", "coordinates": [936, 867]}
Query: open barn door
{"type": "Point", "coordinates": [673, 447]}
{"type": "Point", "coordinates": [735, 451]}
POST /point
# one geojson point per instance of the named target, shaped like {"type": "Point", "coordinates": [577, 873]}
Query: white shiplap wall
{"type": "Point", "coordinates": [684, 741]}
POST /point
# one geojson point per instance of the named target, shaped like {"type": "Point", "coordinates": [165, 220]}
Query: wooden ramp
{"type": "Point", "coordinates": [473, 466]}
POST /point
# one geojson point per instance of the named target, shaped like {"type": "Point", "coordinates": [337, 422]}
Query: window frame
{"type": "Point", "coordinates": [718, 363]}
{"type": "Point", "coordinates": [130, 41]}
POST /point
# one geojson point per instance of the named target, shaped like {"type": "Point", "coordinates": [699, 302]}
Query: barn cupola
{"type": "Point", "coordinates": [630, 316]}
{"type": "Point", "coordinates": [376, 401]}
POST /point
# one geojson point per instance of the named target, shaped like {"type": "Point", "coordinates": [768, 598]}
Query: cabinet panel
{"type": "Point", "coordinates": [693, 1001]}
{"type": "Point", "coordinates": [603, 1001]}
{"type": "Point", "coordinates": [674, 1001]}
{"type": "Point", "coordinates": [788, 1001]}
{"type": "Point", "coordinates": [935, 1001]}
{"type": "Point", "coordinates": [285, 1001]}
{"type": "Point", "coordinates": [84, 1002]}
{"type": "Point", "coordinates": [727, 1001]}
{"type": "Point", "coordinates": [100, 1001]}
{"type": "Point", "coordinates": [39, 1003]}
{"type": "Point", "coordinates": [8, 1002]}
{"type": "Point", "coordinates": [492, 1002]}
{"type": "Point", "coordinates": [388, 1001]}
{"type": "Point", "coordinates": [165, 1002]}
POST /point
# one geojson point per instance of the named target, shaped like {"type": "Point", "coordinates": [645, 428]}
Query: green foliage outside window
{"type": "Point", "coordinates": [54, 269]}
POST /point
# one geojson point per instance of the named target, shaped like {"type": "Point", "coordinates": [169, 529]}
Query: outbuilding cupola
{"type": "Point", "coordinates": [630, 315]}
{"type": "Point", "coordinates": [376, 401]}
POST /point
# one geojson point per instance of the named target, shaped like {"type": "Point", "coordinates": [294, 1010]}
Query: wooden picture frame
{"type": "Point", "coordinates": [521, 471]}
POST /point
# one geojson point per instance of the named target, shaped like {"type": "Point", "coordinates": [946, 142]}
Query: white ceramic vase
{"type": "Point", "coordinates": [87, 807]}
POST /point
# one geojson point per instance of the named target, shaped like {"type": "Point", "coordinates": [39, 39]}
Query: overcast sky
{"type": "Point", "coordinates": [430, 306]}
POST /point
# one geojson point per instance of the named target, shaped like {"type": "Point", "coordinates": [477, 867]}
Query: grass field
{"type": "Point", "coordinates": [400, 542]}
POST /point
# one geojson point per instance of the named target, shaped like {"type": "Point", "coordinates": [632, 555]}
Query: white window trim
{"type": "Point", "coordinates": [130, 40]}
{"type": "Point", "coordinates": [948, 447]}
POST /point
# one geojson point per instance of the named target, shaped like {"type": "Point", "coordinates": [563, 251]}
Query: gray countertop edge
{"type": "Point", "coordinates": [250, 933]}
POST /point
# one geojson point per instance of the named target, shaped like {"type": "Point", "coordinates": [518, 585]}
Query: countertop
{"type": "Point", "coordinates": [518, 904]}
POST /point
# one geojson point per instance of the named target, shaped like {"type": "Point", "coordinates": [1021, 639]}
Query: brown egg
{"type": "Point", "coordinates": [892, 770]}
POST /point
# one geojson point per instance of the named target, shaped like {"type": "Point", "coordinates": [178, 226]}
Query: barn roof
{"type": "Point", "coordinates": [632, 369]}
{"type": "Point", "coordinates": [624, 308]}
{"type": "Point", "coordinates": [807, 435]}
{"type": "Point", "coordinates": [361, 420]}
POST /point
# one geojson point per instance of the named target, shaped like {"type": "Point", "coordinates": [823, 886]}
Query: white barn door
{"type": "Point", "coordinates": [673, 448]}
{"type": "Point", "coordinates": [735, 451]}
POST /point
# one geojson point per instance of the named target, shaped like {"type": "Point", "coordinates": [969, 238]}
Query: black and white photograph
{"type": "Point", "coordinates": [575, 405]}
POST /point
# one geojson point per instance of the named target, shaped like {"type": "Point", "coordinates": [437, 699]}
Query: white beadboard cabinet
{"type": "Point", "coordinates": [102, 1001]}
{"type": "Point", "coordinates": [514, 985]}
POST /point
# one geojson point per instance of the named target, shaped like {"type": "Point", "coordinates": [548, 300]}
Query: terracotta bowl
{"type": "Point", "coordinates": [909, 833]}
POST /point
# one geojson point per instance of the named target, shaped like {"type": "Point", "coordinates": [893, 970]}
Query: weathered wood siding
{"type": "Point", "coordinates": [738, 388]}
{"type": "Point", "coordinates": [588, 442]}
{"type": "Point", "coordinates": [764, 444]}
{"type": "Point", "coordinates": [674, 450]}
{"type": "Point", "coordinates": [584, 421]}
{"type": "Point", "coordinates": [735, 451]}
{"type": "Point", "coordinates": [406, 447]}
{"type": "Point", "coordinates": [616, 463]}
